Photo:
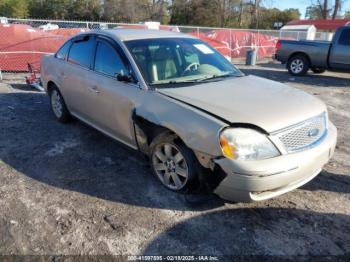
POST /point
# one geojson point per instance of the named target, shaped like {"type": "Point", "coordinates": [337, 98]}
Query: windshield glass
{"type": "Point", "coordinates": [179, 60]}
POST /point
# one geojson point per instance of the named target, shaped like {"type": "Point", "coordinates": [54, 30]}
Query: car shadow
{"type": "Point", "coordinates": [23, 87]}
{"type": "Point", "coordinates": [328, 181]}
{"type": "Point", "coordinates": [78, 158]}
{"type": "Point", "coordinates": [279, 73]}
{"type": "Point", "coordinates": [271, 232]}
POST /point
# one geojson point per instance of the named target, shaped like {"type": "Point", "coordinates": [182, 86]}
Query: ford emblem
{"type": "Point", "coordinates": [313, 132]}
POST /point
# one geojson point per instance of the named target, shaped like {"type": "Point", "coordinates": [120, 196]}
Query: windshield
{"type": "Point", "coordinates": [179, 60]}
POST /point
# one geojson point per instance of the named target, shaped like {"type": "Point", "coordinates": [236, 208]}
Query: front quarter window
{"type": "Point", "coordinates": [63, 51]}
{"type": "Point", "coordinates": [81, 52]}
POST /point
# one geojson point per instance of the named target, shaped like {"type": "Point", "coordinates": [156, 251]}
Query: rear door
{"type": "Point", "coordinates": [340, 53]}
{"type": "Point", "coordinates": [76, 76]}
{"type": "Point", "coordinates": [113, 100]}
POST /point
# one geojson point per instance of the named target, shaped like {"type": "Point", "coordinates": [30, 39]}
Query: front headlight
{"type": "Point", "coordinates": [246, 144]}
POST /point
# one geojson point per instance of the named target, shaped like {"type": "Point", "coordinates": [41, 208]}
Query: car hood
{"type": "Point", "coordinates": [250, 100]}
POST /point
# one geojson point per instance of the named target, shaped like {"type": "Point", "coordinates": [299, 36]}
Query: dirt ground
{"type": "Point", "coordinates": [69, 190]}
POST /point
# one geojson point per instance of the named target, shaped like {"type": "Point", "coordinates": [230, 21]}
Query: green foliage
{"type": "Point", "coordinates": [214, 13]}
{"type": "Point", "coordinates": [324, 9]}
{"type": "Point", "coordinates": [54, 9]}
{"type": "Point", "coordinates": [65, 9]}
{"type": "Point", "coordinates": [228, 13]}
{"type": "Point", "coordinates": [14, 8]}
{"type": "Point", "coordinates": [85, 10]}
{"type": "Point", "coordinates": [269, 16]}
{"type": "Point", "coordinates": [313, 12]}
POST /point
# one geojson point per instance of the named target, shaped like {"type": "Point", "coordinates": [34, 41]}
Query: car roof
{"type": "Point", "coordinates": [135, 34]}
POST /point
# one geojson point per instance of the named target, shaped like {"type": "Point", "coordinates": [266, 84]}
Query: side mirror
{"type": "Point", "coordinates": [125, 78]}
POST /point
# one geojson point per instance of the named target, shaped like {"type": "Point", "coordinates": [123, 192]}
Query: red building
{"type": "Point", "coordinates": [322, 24]}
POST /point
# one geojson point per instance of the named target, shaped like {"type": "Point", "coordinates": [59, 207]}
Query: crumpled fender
{"type": "Point", "coordinates": [197, 129]}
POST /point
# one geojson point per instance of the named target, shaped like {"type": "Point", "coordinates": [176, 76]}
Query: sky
{"type": "Point", "coordinates": [299, 4]}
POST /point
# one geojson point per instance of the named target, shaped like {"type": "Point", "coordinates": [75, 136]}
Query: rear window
{"type": "Point", "coordinates": [63, 51]}
{"type": "Point", "coordinates": [81, 52]}
{"type": "Point", "coordinates": [345, 37]}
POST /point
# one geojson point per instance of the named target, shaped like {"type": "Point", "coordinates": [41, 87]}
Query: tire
{"type": "Point", "coordinates": [318, 70]}
{"type": "Point", "coordinates": [298, 65]}
{"type": "Point", "coordinates": [58, 106]}
{"type": "Point", "coordinates": [173, 163]}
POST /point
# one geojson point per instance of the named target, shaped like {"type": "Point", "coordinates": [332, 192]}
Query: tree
{"type": "Point", "coordinates": [347, 15]}
{"type": "Point", "coordinates": [179, 11]}
{"type": "Point", "coordinates": [336, 9]}
{"type": "Point", "coordinates": [256, 8]}
{"type": "Point", "coordinates": [134, 11]}
{"type": "Point", "coordinates": [54, 9]}
{"type": "Point", "coordinates": [313, 12]}
{"type": "Point", "coordinates": [324, 9]}
{"type": "Point", "coordinates": [85, 10]}
{"type": "Point", "coordinates": [268, 17]}
{"type": "Point", "coordinates": [200, 12]}
{"type": "Point", "coordinates": [14, 8]}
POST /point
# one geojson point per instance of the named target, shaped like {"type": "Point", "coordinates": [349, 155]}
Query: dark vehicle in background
{"type": "Point", "coordinates": [300, 56]}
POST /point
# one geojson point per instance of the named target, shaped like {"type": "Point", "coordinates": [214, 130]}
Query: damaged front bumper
{"type": "Point", "coordinates": [248, 181]}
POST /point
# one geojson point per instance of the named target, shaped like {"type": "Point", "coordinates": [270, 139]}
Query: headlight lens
{"type": "Point", "coordinates": [246, 144]}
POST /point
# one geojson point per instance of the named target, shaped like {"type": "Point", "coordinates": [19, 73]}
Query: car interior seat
{"type": "Point", "coordinates": [162, 65]}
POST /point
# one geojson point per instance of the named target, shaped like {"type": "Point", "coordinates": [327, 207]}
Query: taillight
{"type": "Point", "coordinates": [278, 45]}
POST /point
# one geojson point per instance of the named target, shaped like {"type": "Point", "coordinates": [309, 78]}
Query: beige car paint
{"type": "Point", "coordinates": [197, 114]}
{"type": "Point", "coordinates": [252, 100]}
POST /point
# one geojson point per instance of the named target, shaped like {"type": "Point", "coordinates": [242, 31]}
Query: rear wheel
{"type": "Point", "coordinates": [298, 65]}
{"type": "Point", "coordinates": [318, 70]}
{"type": "Point", "coordinates": [58, 106]}
{"type": "Point", "coordinates": [172, 162]}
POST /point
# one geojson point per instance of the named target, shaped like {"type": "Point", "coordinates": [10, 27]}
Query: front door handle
{"type": "Point", "coordinates": [94, 89]}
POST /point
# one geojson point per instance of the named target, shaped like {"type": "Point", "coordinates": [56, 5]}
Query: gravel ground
{"type": "Point", "coordinates": [69, 190]}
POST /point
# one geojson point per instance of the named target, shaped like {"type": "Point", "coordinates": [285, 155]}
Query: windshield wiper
{"type": "Point", "coordinates": [198, 80]}
{"type": "Point", "coordinates": [219, 76]}
{"type": "Point", "coordinates": [174, 82]}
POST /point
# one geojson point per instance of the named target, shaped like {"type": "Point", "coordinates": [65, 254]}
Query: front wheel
{"type": "Point", "coordinates": [298, 65]}
{"type": "Point", "coordinates": [172, 162]}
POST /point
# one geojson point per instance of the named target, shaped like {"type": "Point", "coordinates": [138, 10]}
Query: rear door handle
{"type": "Point", "coordinates": [94, 89]}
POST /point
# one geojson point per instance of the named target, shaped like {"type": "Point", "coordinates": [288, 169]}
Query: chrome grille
{"type": "Point", "coordinates": [305, 134]}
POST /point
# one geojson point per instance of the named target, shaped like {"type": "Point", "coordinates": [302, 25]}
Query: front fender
{"type": "Point", "coordinates": [198, 130]}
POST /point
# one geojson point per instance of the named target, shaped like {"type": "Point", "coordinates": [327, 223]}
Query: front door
{"type": "Point", "coordinates": [340, 53]}
{"type": "Point", "coordinates": [113, 100]}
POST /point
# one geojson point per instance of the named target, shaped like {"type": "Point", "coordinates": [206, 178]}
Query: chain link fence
{"type": "Point", "coordinates": [25, 41]}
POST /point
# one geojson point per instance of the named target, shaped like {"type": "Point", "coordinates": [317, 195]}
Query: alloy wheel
{"type": "Point", "coordinates": [170, 166]}
{"type": "Point", "coordinates": [297, 66]}
{"type": "Point", "coordinates": [56, 103]}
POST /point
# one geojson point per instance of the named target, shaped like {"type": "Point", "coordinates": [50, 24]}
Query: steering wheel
{"type": "Point", "coordinates": [192, 67]}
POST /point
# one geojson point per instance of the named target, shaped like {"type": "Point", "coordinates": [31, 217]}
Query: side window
{"type": "Point", "coordinates": [81, 52]}
{"type": "Point", "coordinates": [63, 51]}
{"type": "Point", "coordinates": [107, 61]}
{"type": "Point", "coordinates": [345, 37]}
